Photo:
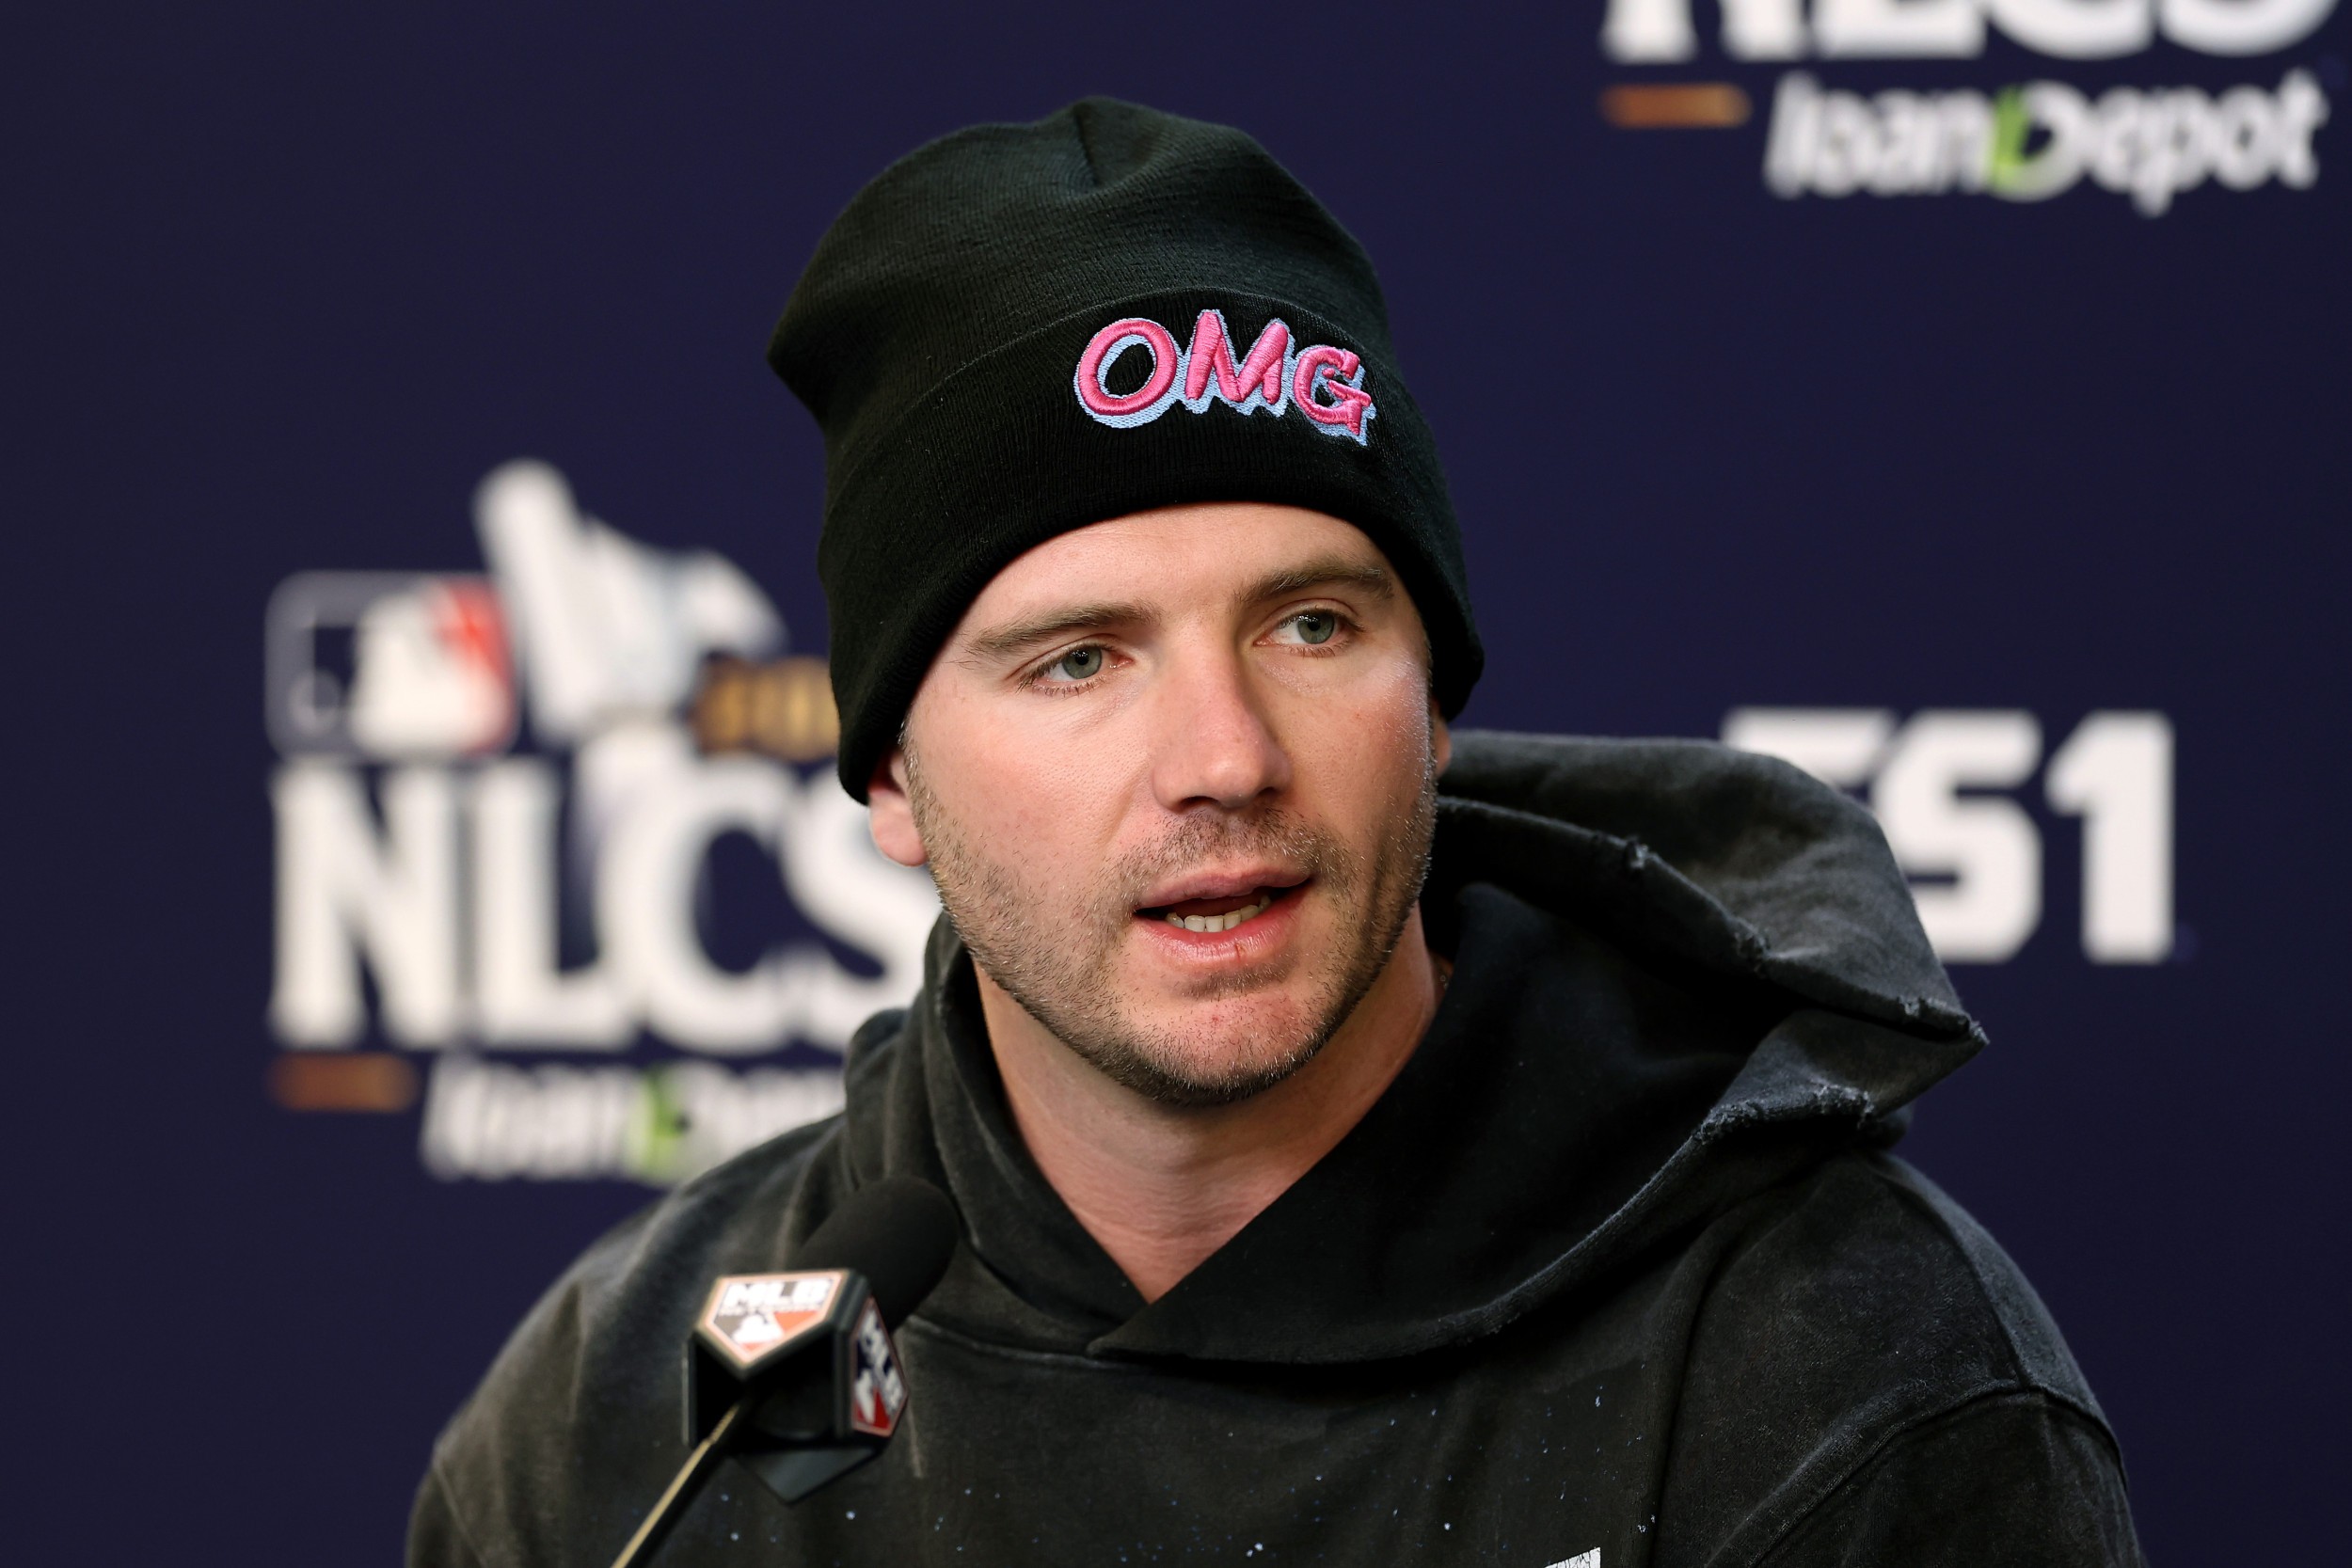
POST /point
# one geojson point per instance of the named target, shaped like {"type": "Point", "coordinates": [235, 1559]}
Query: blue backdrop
{"type": "Point", "coordinates": [413, 869]}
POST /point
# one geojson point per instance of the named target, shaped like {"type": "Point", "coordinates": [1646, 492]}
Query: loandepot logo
{"type": "Point", "coordinates": [2021, 142]}
{"type": "Point", "coordinates": [502, 802]}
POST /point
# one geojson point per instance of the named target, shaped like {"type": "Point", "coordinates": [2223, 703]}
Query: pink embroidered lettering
{"type": "Point", "coordinates": [1257, 382]}
{"type": "Point", "coordinates": [1340, 375]}
{"type": "Point", "coordinates": [1326, 383]}
{"type": "Point", "coordinates": [1146, 403]}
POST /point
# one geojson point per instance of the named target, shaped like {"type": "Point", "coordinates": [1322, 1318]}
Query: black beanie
{"type": "Point", "coordinates": [1009, 335]}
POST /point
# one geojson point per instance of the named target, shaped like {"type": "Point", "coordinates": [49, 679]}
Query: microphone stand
{"type": "Point", "coordinates": [707, 1453]}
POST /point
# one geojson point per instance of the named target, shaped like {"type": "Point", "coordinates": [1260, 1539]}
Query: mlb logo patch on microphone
{"type": "Point", "coordinates": [752, 1316]}
{"type": "Point", "coordinates": [877, 1390]}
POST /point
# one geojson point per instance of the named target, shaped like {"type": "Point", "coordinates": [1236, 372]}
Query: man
{"type": "Point", "coordinates": [1374, 1145]}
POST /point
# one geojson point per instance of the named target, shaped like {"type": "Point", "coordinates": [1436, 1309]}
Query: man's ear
{"type": "Point", "coordinates": [889, 814]}
{"type": "Point", "coordinates": [1441, 738]}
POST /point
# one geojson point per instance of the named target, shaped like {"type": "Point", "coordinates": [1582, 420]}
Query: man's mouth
{"type": "Point", "coordinates": [1218, 914]}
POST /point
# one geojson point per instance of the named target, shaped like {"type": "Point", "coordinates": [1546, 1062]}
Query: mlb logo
{"type": "Point", "coordinates": [877, 1390]}
{"type": "Point", "coordinates": [752, 1316]}
{"type": "Point", "coordinates": [395, 665]}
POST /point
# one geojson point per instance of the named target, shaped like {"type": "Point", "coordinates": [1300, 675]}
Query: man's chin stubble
{"type": "Point", "coordinates": [1073, 1001]}
{"type": "Point", "coordinates": [1166, 1069]}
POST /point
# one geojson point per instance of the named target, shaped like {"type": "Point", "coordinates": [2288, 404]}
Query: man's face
{"type": "Point", "coordinates": [1175, 776]}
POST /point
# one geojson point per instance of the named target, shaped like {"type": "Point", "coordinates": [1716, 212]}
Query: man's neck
{"type": "Point", "coordinates": [1160, 1187]}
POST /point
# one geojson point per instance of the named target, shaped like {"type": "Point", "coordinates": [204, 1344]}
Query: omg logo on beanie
{"type": "Point", "coordinates": [1325, 383]}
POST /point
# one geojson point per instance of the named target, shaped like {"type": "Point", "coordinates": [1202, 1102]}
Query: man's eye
{"type": "Point", "coordinates": [1315, 625]}
{"type": "Point", "coordinates": [1078, 664]}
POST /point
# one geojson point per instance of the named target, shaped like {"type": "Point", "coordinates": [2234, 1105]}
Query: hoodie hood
{"type": "Point", "coordinates": [1683, 974]}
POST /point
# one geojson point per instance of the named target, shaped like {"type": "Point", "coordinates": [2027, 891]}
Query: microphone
{"type": "Point", "coordinates": [795, 1373]}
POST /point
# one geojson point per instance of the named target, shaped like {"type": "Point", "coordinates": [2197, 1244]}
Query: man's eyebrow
{"type": "Point", "coordinates": [1017, 636]}
{"type": "Point", "coordinates": [1334, 570]}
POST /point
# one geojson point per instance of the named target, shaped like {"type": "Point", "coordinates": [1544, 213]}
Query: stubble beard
{"type": "Point", "coordinates": [1059, 963]}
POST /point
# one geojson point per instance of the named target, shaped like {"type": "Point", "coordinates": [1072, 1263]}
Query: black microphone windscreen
{"type": "Point", "coordinates": [898, 1232]}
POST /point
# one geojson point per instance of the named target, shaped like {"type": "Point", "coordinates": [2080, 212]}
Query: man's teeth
{"type": "Point", "coordinates": [1224, 922]}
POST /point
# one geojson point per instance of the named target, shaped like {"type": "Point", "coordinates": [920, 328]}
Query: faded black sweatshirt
{"type": "Point", "coordinates": [1618, 1265]}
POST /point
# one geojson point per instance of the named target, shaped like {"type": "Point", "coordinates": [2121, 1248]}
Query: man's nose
{"type": "Point", "coordinates": [1215, 741]}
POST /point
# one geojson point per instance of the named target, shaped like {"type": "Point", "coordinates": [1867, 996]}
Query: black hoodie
{"type": "Point", "coordinates": [1618, 1265]}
